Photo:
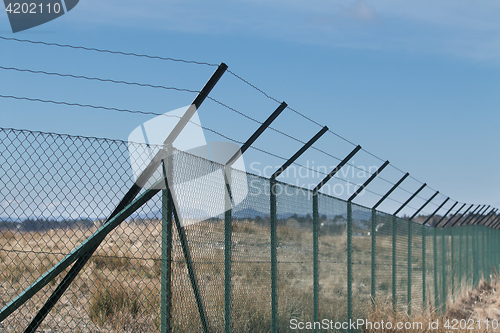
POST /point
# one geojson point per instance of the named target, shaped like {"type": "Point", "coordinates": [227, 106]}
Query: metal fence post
{"type": "Point", "coordinates": [475, 276]}
{"type": "Point", "coordinates": [315, 260]}
{"type": "Point", "coordinates": [166, 254]}
{"type": "Point", "coordinates": [424, 232]}
{"type": "Point", "coordinates": [460, 254]}
{"type": "Point", "coordinates": [274, 266]}
{"type": "Point", "coordinates": [483, 253]}
{"type": "Point", "coordinates": [408, 297]}
{"type": "Point", "coordinates": [467, 253]}
{"type": "Point", "coordinates": [349, 262]}
{"type": "Point", "coordinates": [434, 247]}
{"type": "Point", "coordinates": [452, 264]}
{"type": "Point", "coordinates": [443, 269]}
{"type": "Point", "coordinates": [228, 229]}
{"type": "Point", "coordinates": [373, 261]}
{"type": "Point", "coordinates": [394, 229]}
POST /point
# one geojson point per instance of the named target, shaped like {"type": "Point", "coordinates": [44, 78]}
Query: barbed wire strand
{"type": "Point", "coordinates": [203, 127]}
{"type": "Point", "coordinates": [198, 63]}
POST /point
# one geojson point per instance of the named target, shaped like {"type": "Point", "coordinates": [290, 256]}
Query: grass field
{"type": "Point", "coordinates": [119, 289]}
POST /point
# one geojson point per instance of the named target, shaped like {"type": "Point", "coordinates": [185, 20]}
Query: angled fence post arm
{"type": "Point", "coordinates": [337, 168]}
{"type": "Point", "coordinates": [470, 215]}
{"type": "Point", "coordinates": [128, 198]}
{"type": "Point", "coordinates": [496, 222]}
{"type": "Point", "coordinates": [228, 219]}
{"type": "Point", "coordinates": [484, 215]}
{"type": "Point", "coordinates": [410, 199]}
{"type": "Point", "coordinates": [425, 204]}
{"type": "Point", "coordinates": [488, 221]}
{"type": "Point", "coordinates": [451, 218]}
{"type": "Point", "coordinates": [273, 222]}
{"type": "Point", "coordinates": [473, 215]}
{"type": "Point", "coordinates": [461, 216]}
{"type": "Point", "coordinates": [491, 220]}
{"type": "Point", "coordinates": [479, 215]}
{"type": "Point", "coordinates": [437, 210]}
{"type": "Point", "coordinates": [368, 181]}
{"type": "Point", "coordinates": [390, 191]}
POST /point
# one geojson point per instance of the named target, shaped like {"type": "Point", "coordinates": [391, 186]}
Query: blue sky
{"type": "Point", "coordinates": [416, 83]}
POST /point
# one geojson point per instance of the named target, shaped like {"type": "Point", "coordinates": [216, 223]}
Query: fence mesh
{"type": "Point", "coordinates": [58, 190]}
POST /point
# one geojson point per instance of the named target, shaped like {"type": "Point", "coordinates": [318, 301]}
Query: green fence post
{"type": "Point", "coordinates": [467, 254]}
{"type": "Point", "coordinates": [434, 247]}
{"type": "Point", "coordinates": [475, 276]}
{"type": "Point", "coordinates": [443, 268]}
{"type": "Point", "coordinates": [394, 229]}
{"type": "Point", "coordinates": [228, 230]}
{"type": "Point", "coordinates": [166, 263]}
{"type": "Point", "coordinates": [315, 259]}
{"type": "Point", "coordinates": [349, 262]}
{"type": "Point", "coordinates": [373, 262]}
{"type": "Point", "coordinates": [452, 264]}
{"type": "Point", "coordinates": [424, 229]}
{"type": "Point", "coordinates": [408, 297]}
{"type": "Point", "coordinates": [274, 265]}
{"type": "Point", "coordinates": [483, 253]}
{"type": "Point", "coordinates": [460, 254]}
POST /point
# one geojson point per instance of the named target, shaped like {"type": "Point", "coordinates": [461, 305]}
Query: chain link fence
{"type": "Point", "coordinates": [331, 262]}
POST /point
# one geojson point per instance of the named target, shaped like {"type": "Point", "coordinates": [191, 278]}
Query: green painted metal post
{"type": "Point", "coordinates": [424, 235]}
{"type": "Point", "coordinates": [466, 230]}
{"type": "Point", "coordinates": [274, 265]}
{"type": "Point", "coordinates": [315, 259]}
{"type": "Point", "coordinates": [475, 276]}
{"type": "Point", "coordinates": [452, 262]}
{"type": "Point", "coordinates": [460, 255]}
{"type": "Point", "coordinates": [166, 263]}
{"type": "Point", "coordinates": [443, 269]}
{"type": "Point", "coordinates": [374, 257]}
{"type": "Point", "coordinates": [166, 247]}
{"type": "Point", "coordinates": [434, 247]}
{"type": "Point", "coordinates": [394, 282]}
{"type": "Point", "coordinates": [408, 288]}
{"type": "Point", "coordinates": [483, 252]}
{"type": "Point", "coordinates": [228, 230]}
{"type": "Point", "coordinates": [349, 262]}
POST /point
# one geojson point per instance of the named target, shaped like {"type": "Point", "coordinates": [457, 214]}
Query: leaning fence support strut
{"type": "Point", "coordinates": [228, 215]}
{"type": "Point", "coordinates": [273, 217]}
{"type": "Point", "coordinates": [127, 199]}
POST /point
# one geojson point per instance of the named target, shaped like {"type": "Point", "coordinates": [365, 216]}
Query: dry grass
{"type": "Point", "coordinates": [119, 289]}
{"type": "Point", "coordinates": [468, 308]}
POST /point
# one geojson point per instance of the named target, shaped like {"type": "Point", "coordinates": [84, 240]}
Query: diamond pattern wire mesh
{"type": "Point", "coordinates": [57, 190]}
